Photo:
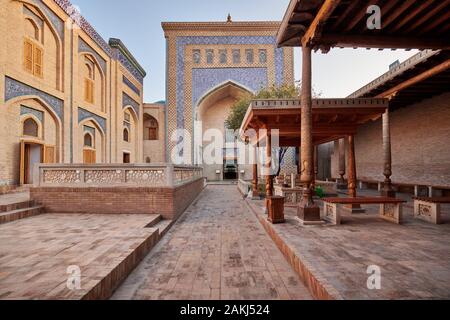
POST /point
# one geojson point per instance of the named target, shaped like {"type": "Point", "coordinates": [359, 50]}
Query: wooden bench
{"type": "Point", "coordinates": [429, 209]}
{"type": "Point", "coordinates": [390, 208]}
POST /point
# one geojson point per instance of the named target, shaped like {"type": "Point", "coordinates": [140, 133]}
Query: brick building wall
{"type": "Point", "coordinates": [169, 202]}
{"type": "Point", "coordinates": [52, 90]}
{"type": "Point", "coordinates": [420, 135]}
{"type": "Point", "coordinates": [154, 150]}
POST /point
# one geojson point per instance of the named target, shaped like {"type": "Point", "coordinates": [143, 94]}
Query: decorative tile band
{"type": "Point", "coordinates": [71, 11]}
{"type": "Point", "coordinates": [84, 47]}
{"type": "Point", "coordinates": [90, 130]}
{"type": "Point", "coordinates": [128, 101]}
{"type": "Point", "coordinates": [14, 89]}
{"type": "Point", "coordinates": [27, 110]}
{"type": "Point", "coordinates": [131, 86]}
{"type": "Point", "coordinates": [206, 79]}
{"type": "Point", "coordinates": [181, 42]}
{"type": "Point", "coordinates": [84, 114]}
{"type": "Point", "coordinates": [114, 53]}
{"type": "Point", "coordinates": [129, 66]}
{"type": "Point", "coordinates": [55, 20]}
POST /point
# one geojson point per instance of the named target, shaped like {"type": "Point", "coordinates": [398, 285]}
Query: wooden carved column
{"type": "Point", "coordinates": [356, 208]}
{"type": "Point", "coordinates": [268, 166]}
{"type": "Point", "coordinates": [341, 153]}
{"type": "Point", "coordinates": [307, 210]}
{"type": "Point", "coordinates": [351, 167]}
{"type": "Point", "coordinates": [387, 190]}
{"type": "Point", "coordinates": [316, 167]}
{"type": "Point", "coordinates": [255, 192]}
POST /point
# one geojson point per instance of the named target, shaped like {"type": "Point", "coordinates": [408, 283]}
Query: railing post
{"type": "Point", "coordinates": [170, 175]}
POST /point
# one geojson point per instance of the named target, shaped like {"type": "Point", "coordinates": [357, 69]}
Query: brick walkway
{"type": "Point", "coordinates": [217, 250]}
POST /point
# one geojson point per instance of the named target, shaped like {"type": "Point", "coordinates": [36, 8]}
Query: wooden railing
{"type": "Point", "coordinates": [104, 175]}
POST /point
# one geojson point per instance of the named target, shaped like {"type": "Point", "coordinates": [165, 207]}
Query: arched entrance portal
{"type": "Point", "coordinates": [212, 111]}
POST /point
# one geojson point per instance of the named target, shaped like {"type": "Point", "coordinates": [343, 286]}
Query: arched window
{"type": "Point", "coordinates": [30, 128]}
{"type": "Point", "coordinates": [147, 160]}
{"type": "Point", "coordinates": [150, 128]}
{"type": "Point", "coordinates": [89, 80]}
{"type": "Point", "coordinates": [32, 29]}
{"type": "Point", "coordinates": [88, 140]}
{"type": "Point", "coordinates": [126, 136]}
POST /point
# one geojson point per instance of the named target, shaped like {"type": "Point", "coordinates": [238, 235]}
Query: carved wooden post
{"type": "Point", "coordinates": [255, 192]}
{"type": "Point", "coordinates": [356, 208]}
{"type": "Point", "coordinates": [387, 190]}
{"type": "Point", "coordinates": [268, 165]}
{"type": "Point", "coordinates": [307, 210]}
{"type": "Point", "coordinates": [316, 166]}
{"type": "Point", "coordinates": [341, 154]}
{"type": "Point", "coordinates": [351, 167]}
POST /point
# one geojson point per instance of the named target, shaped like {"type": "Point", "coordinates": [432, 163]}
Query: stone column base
{"type": "Point", "coordinates": [309, 215]}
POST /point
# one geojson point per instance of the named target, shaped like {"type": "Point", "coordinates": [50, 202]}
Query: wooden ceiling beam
{"type": "Point", "coordinates": [443, 17]}
{"type": "Point", "coordinates": [382, 41]}
{"type": "Point", "coordinates": [321, 17]}
{"type": "Point", "coordinates": [423, 76]}
{"type": "Point", "coordinates": [396, 13]}
{"type": "Point", "coordinates": [345, 14]}
{"type": "Point", "coordinates": [411, 16]}
{"type": "Point", "coordinates": [428, 15]}
{"type": "Point", "coordinates": [360, 15]}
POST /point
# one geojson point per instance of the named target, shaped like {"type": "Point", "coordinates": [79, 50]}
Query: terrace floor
{"type": "Point", "coordinates": [216, 250]}
{"type": "Point", "coordinates": [414, 258]}
{"type": "Point", "coordinates": [36, 252]}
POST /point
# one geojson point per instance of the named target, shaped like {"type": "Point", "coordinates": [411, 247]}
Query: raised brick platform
{"type": "Point", "coordinates": [169, 202]}
{"type": "Point", "coordinates": [36, 252]}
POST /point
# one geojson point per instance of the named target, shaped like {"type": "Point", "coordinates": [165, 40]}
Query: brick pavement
{"type": "Point", "coordinates": [217, 250]}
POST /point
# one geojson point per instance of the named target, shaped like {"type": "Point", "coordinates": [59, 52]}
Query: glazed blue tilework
{"type": "Point", "coordinates": [130, 67]}
{"type": "Point", "coordinates": [128, 101]}
{"type": "Point", "coordinates": [27, 110]}
{"type": "Point", "coordinates": [14, 89]}
{"type": "Point", "coordinates": [84, 47]}
{"type": "Point", "coordinates": [84, 114]}
{"type": "Point", "coordinates": [57, 23]}
{"type": "Point", "coordinates": [90, 130]}
{"type": "Point", "coordinates": [205, 79]}
{"type": "Point", "coordinates": [212, 40]}
{"type": "Point", "coordinates": [131, 85]}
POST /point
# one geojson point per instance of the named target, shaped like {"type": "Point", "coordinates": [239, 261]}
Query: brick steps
{"type": "Point", "coordinates": [163, 226]}
{"type": "Point", "coordinates": [20, 213]}
{"type": "Point", "coordinates": [17, 205]}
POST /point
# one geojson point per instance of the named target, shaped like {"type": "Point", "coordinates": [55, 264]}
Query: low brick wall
{"type": "Point", "coordinates": [167, 201]}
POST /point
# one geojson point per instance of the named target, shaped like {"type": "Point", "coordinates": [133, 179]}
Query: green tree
{"type": "Point", "coordinates": [240, 107]}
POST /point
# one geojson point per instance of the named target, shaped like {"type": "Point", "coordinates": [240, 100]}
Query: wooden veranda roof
{"type": "Point", "coordinates": [332, 118]}
{"type": "Point", "coordinates": [420, 77]}
{"type": "Point", "coordinates": [407, 24]}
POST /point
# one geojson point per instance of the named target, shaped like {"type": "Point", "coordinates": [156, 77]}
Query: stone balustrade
{"type": "Point", "coordinates": [108, 175]}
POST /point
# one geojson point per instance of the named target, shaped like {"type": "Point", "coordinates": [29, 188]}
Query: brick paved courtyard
{"type": "Point", "coordinates": [35, 253]}
{"type": "Point", "coordinates": [217, 250]}
{"type": "Point", "coordinates": [414, 257]}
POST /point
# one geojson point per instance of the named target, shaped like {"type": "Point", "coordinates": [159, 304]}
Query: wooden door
{"type": "Point", "coordinates": [22, 162]}
{"type": "Point", "coordinates": [89, 156]}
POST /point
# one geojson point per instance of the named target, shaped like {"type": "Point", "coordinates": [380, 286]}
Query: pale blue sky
{"type": "Point", "coordinates": [138, 24]}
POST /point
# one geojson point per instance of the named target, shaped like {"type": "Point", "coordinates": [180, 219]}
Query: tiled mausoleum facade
{"type": "Point", "coordinates": [209, 66]}
{"type": "Point", "coordinates": [66, 95]}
